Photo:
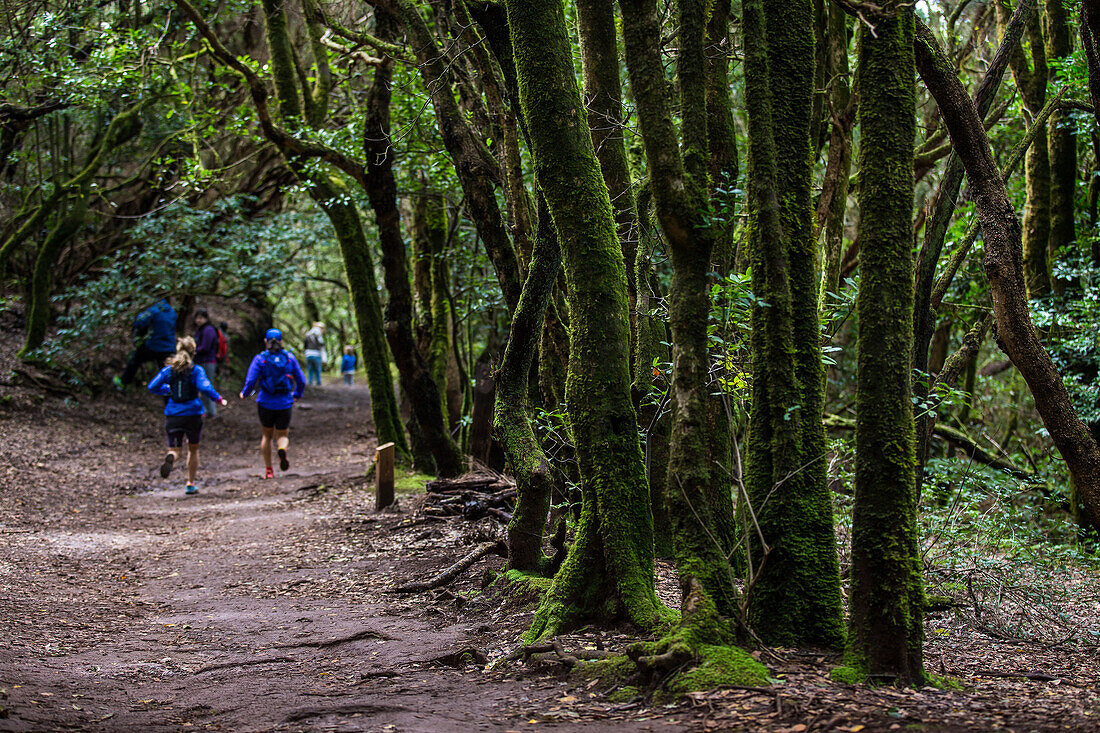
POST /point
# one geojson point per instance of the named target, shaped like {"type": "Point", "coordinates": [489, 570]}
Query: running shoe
{"type": "Point", "coordinates": [191, 489]}
{"type": "Point", "coordinates": [270, 473]}
{"type": "Point", "coordinates": [284, 464]}
{"type": "Point", "coordinates": [117, 382]}
{"type": "Point", "coordinates": [166, 467]}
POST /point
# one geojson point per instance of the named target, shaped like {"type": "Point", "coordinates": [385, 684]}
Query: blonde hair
{"type": "Point", "coordinates": [349, 349]}
{"type": "Point", "coordinates": [184, 358]}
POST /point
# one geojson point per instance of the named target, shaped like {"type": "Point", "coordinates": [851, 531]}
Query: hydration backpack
{"type": "Point", "coordinates": [181, 387]}
{"type": "Point", "coordinates": [275, 373]}
{"type": "Point", "coordinates": [223, 346]}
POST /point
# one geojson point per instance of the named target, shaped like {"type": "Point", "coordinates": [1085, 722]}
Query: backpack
{"type": "Point", "coordinates": [181, 387]}
{"type": "Point", "coordinates": [313, 342]}
{"type": "Point", "coordinates": [223, 346]}
{"type": "Point", "coordinates": [274, 373]}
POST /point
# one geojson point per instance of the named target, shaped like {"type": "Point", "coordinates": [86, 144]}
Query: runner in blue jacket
{"type": "Point", "coordinates": [182, 381]}
{"type": "Point", "coordinates": [278, 381]}
{"type": "Point", "coordinates": [154, 338]}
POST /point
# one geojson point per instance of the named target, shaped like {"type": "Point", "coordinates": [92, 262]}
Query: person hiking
{"type": "Point", "coordinates": [315, 351]}
{"type": "Point", "coordinates": [278, 381]}
{"type": "Point", "coordinates": [347, 364]}
{"type": "Point", "coordinates": [206, 354]}
{"type": "Point", "coordinates": [182, 381]}
{"type": "Point", "coordinates": [154, 339]}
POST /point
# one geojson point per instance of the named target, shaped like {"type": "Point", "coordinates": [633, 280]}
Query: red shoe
{"type": "Point", "coordinates": [270, 473]}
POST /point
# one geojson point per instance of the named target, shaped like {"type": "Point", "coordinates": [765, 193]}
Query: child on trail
{"type": "Point", "coordinates": [278, 380]}
{"type": "Point", "coordinates": [154, 340]}
{"type": "Point", "coordinates": [206, 354]}
{"type": "Point", "coordinates": [315, 351]}
{"type": "Point", "coordinates": [347, 364]}
{"type": "Point", "coordinates": [182, 381]}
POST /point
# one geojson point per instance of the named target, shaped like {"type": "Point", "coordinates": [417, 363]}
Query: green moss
{"type": "Point", "coordinates": [412, 482]}
{"type": "Point", "coordinates": [942, 682]}
{"type": "Point", "coordinates": [718, 666]}
{"type": "Point", "coordinates": [611, 671]}
{"type": "Point", "coordinates": [517, 580]}
{"type": "Point", "coordinates": [847, 675]}
{"type": "Point", "coordinates": [624, 694]}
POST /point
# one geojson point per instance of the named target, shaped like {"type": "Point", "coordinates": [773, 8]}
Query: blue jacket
{"type": "Point", "coordinates": [270, 401]}
{"type": "Point", "coordinates": [159, 385]}
{"type": "Point", "coordinates": [347, 363]}
{"type": "Point", "coordinates": [159, 322]}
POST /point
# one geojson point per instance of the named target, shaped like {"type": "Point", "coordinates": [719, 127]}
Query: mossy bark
{"type": "Point", "coordinates": [700, 511]}
{"type": "Point", "coordinates": [38, 312]}
{"type": "Point", "coordinates": [1031, 81]}
{"type": "Point", "coordinates": [1061, 145]}
{"type": "Point", "coordinates": [603, 100]}
{"type": "Point", "coordinates": [330, 193]}
{"type": "Point", "coordinates": [609, 570]}
{"type": "Point", "coordinates": [795, 588]}
{"type": "Point", "coordinates": [838, 168]}
{"type": "Point", "coordinates": [122, 128]}
{"type": "Point", "coordinates": [511, 418]}
{"type": "Point", "coordinates": [886, 620]}
{"type": "Point", "coordinates": [474, 164]}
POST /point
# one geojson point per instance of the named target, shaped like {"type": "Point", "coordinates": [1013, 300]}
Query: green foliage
{"type": "Point", "coordinates": [182, 251]}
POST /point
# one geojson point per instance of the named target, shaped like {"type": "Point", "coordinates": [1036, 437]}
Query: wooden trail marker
{"type": "Point", "coordinates": [383, 474]}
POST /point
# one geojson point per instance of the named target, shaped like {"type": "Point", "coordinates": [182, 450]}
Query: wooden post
{"type": "Point", "coordinates": [383, 474]}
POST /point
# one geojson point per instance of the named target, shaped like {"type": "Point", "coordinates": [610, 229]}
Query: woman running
{"type": "Point", "coordinates": [182, 381]}
{"type": "Point", "coordinates": [278, 380]}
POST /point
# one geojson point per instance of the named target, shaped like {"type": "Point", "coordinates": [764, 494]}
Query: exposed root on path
{"type": "Point", "coordinates": [452, 573]}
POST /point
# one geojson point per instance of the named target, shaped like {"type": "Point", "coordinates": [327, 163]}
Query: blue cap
{"type": "Point", "coordinates": [273, 334]}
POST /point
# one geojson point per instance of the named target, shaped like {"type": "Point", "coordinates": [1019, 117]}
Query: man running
{"type": "Point", "coordinates": [278, 381]}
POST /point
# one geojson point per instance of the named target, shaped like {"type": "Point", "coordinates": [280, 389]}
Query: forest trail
{"type": "Point", "coordinates": [255, 605]}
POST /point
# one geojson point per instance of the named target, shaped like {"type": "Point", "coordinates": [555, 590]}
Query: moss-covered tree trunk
{"type": "Point", "coordinates": [700, 513]}
{"type": "Point", "coordinates": [1061, 145]}
{"type": "Point", "coordinates": [1031, 81]}
{"type": "Point", "coordinates": [609, 570]}
{"type": "Point", "coordinates": [833, 205]}
{"type": "Point", "coordinates": [423, 377]}
{"type": "Point", "coordinates": [511, 417]}
{"type": "Point", "coordinates": [330, 192]}
{"type": "Point", "coordinates": [886, 624]}
{"type": "Point", "coordinates": [795, 591]}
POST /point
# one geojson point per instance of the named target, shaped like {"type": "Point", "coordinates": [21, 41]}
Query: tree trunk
{"type": "Point", "coordinates": [609, 570]}
{"type": "Point", "coordinates": [886, 625]}
{"type": "Point", "coordinates": [512, 420]}
{"type": "Point", "coordinates": [1004, 267]}
{"type": "Point", "coordinates": [423, 381]}
{"type": "Point", "coordinates": [1061, 145]}
{"type": "Point", "coordinates": [795, 593]}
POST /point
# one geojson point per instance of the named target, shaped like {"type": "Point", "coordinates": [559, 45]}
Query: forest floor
{"type": "Point", "coordinates": [261, 605]}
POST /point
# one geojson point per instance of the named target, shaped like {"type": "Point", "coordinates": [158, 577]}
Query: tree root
{"type": "Point", "coordinates": [550, 651]}
{"type": "Point", "coordinates": [452, 573]}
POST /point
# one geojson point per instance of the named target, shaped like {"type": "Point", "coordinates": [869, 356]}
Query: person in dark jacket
{"type": "Point", "coordinates": [155, 339]}
{"type": "Point", "coordinates": [277, 379]}
{"type": "Point", "coordinates": [206, 354]}
{"type": "Point", "coordinates": [182, 381]}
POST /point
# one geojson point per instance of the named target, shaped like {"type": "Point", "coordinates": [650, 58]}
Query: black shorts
{"type": "Point", "coordinates": [179, 426]}
{"type": "Point", "coordinates": [278, 419]}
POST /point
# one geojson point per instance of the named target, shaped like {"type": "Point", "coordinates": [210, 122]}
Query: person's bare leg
{"type": "Point", "coordinates": [192, 461]}
{"type": "Point", "coordinates": [265, 445]}
{"type": "Point", "coordinates": [282, 442]}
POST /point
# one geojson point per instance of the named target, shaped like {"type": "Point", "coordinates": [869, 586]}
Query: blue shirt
{"type": "Point", "coordinates": [347, 364]}
{"type": "Point", "coordinates": [160, 385]}
{"type": "Point", "coordinates": [274, 401]}
{"type": "Point", "coordinates": [159, 322]}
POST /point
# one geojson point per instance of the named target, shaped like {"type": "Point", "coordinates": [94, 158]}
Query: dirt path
{"type": "Point", "coordinates": [261, 605]}
{"type": "Point", "coordinates": [255, 605]}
